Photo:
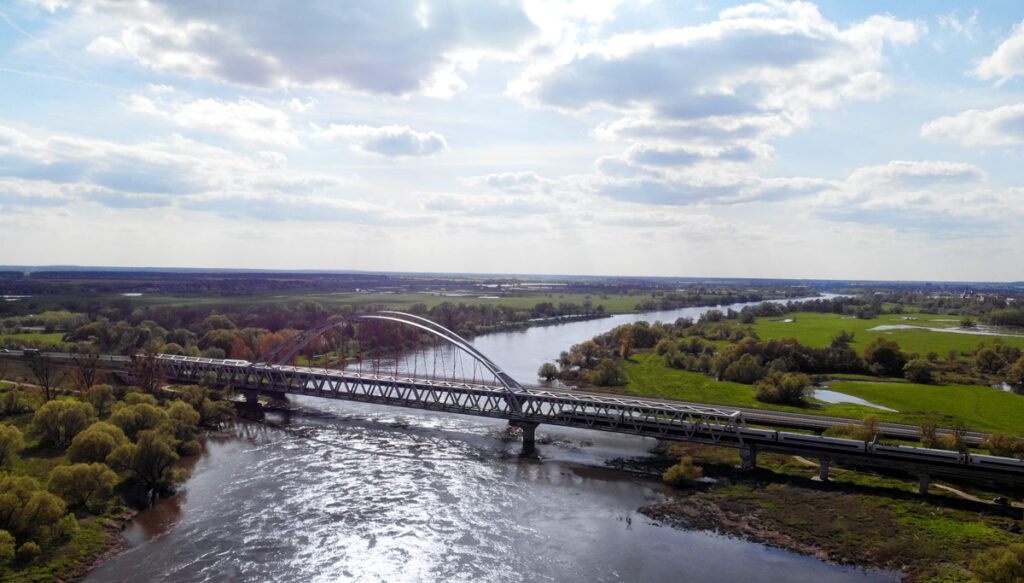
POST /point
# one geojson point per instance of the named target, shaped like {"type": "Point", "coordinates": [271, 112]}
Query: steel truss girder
{"type": "Point", "coordinates": [616, 414]}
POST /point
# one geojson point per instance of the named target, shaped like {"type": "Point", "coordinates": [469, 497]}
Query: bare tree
{"type": "Point", "coordinates": [87, 370]}
{"type": "Point", "coordinates": [146, 372]}
{"type": "Point", "coordinates": [48, 374]}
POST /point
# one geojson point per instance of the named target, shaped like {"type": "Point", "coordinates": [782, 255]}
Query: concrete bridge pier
{"type": "Point", "coordinates": [252, 406]}
{"type": "Point", "coordinates": [748, 457]}
{"type": "Point", "coordinates": [923, 481]}
{"type": "Point", "coordinates": [529, 436]}
{"type": "Point", "coordinates": [823, 470]}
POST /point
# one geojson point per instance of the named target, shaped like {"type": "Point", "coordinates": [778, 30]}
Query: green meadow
{"type": "Point", "coordinates": [817, 330]}
{"type": "Point", "coordinates": [980, 408]}
{"type": "Point", "coordinates": [41, 337]}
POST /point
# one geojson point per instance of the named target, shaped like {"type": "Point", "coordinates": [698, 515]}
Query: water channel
{"type": "Point", "coordinates": [354, 492]}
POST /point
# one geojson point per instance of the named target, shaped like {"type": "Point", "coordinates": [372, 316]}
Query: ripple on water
{"type": "Point", "coordinates": [357, 494]}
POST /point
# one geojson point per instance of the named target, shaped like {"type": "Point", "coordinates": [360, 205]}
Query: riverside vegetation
{"type": "Point", "coordinates": [74, 460]}
{"type": "Point", "coordinates": [772, 355]}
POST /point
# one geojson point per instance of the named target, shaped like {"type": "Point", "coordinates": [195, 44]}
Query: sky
{"type": "Point", "coordinates": [829, 140]}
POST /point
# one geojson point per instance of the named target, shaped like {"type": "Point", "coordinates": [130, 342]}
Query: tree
{"type": "Point", "coordinates": [989, 360]}
{"type": "Point", "coordinates": [929, 437]}
{"type": "Point", "coordinates": [885, 357]}
{"type": "Point", "coordinates": [608, 373]}
{"type": "Point", "coordinates": [48, 374]}
{"type": "Point", "coordinates": [11, 442]}
{"type": "Point", "coordinates": [83, 485]}
{"type": "Point", "coordinates": [150, 461]}
{"type": "Point", "coordinates": [783, 388]}
{"type": "Point", "coordinates": [86, 371]}
{"type": "Point", "coordinates": [842, 340]}
{"type": "Point", "coordinates": [182, 421]}
{"type": "Point", "coordinates": [11, 403]}
{"type": "Point", "coordinates": [146, 372]}
{"type": "Point", "coordinates": [586, 355]}
{"type": "Point", "coordinates": [58, 422]}
{"type": "Point", "coordinates": [27, 511]}
{"type": "Point", "coordinates": [918, 370]}
{"type": "Point", "coordinates": [101, 397]}
{"type": "Point", "coordinates": [96, 442]}
{"type": "Point", "coordinates": [547, 371]}
{"type": "Point", "coordinates": [1016, 374]}
{"type": "Point", "coordinates": [135, 418]}
{"type": "Point", "coordinates": [746, 370]}
{"type": "Point", "coordinates": [626, 345]}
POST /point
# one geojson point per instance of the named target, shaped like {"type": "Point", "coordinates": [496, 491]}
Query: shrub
{"type": "Point", "coordinates": [7, 546]}
{"type": "Point", "coordinates": [918, 371]}
{"type": "Point", "coordinates": [1000, 565]}
{"type": "Point", "coordinates": [683, 472]}
{"type": "Point", "coordinates": [28, 551]}
{"type": "Point", "coordinates": [885, 357]}
{"type": "Point", "coordinates": [1003, 445]}
{"type": "Point", "coordinates": [547, 371]}
{"type": "Point", "coordinates": [783, 388]}
{"type": "Point", "coordinates": [608, 373]}
{"type": "Point", "coordinates": [11, 442]}
{"type": "Point", "coordinates": [746, 370]}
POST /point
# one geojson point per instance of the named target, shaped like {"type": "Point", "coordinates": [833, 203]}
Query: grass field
{"type": "Point", "coordinates": [817, 330]}
{"type": "Point", "coordinates": [53, 337]}
{"type": "Point", "coordinates": [980, 408]}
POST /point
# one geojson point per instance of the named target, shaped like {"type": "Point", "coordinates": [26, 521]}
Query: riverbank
{"type": "Point", "coordinates": [113, 544]}
{"type": "Point", "coordinates": [873, 523]}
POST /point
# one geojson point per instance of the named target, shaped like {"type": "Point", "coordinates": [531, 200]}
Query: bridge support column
{"type": "Point", "coordinates": [252, 405]}
{"type": "Point", "coordinates": [923, 481]}
{"type": "Point", "coordinates": [823, 471]}
{"type": "Point", "coordinates": [748, 457]}
{"type": "Point", "coordinates": [529, 437]}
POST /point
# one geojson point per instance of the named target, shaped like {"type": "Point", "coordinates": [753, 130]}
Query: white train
{"type": "Point", "coordinates": [907, 452]}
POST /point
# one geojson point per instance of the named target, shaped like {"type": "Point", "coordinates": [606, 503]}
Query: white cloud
{"type": "Point", "coordinates": [1007, 61]}
{"type": "Point", "coordinates": [776, 59]}
{"type": "Point", "coordinates": [392, 141]}
{"type": "Point", "coordinates": [55, 170]}
{"type": "Point", "coordinates": [938, 198]}
{"type": "Point", "coordinates": [397, 48]}
{"type": "Point", "coordinates": [1003, 126]}
{"type": "Point", "coordinates": [967, 27]}
{"type": "Point", "coordinates": [244, 119]}
{"type": "Point", "coordinates": [700, 104]}
{"type": "Point", "coordinates": [510, 182]}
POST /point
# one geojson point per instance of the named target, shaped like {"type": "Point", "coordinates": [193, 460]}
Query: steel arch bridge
{"type": "Point", "coordinates": [490, 392]}
{"type": "Point", "coordinates": [362, 373]}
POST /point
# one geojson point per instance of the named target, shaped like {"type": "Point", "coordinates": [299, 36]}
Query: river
{"type": "Point", "coordinates": [346, 491]}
